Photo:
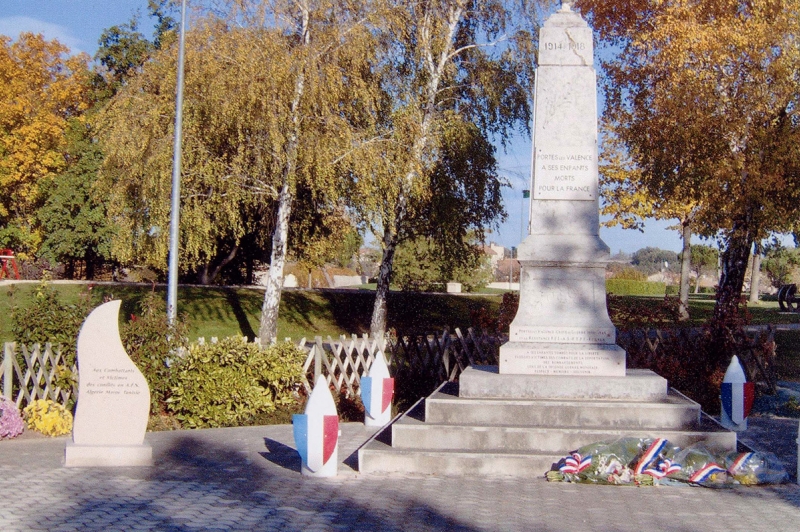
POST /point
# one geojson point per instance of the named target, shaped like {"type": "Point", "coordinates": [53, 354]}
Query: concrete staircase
{"type": "Point", "coordinates": [520, 425]}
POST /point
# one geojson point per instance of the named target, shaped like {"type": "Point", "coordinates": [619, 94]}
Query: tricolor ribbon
{"type": "Point", "coordinates": [575, 463]}
{"type": "Point", "coordinates": [664, 468]}
{"type": "Point", "coordinates": [739, 462]}
{"type": "Point", "coordinates": [650, 455]}
{"type": "Point", "coordinates": [703, 474]}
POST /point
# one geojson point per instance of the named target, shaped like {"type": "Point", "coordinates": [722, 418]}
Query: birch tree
{"type": "Point", "coordinates": [446, 62]}
{"type": "Point", "coordinates": [328, 42]}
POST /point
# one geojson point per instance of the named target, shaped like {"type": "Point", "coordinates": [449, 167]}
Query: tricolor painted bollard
{"type": "Point", "coordinates": [377, 389]}
{"type": "Point", "coordinates": [316, 433]}
{"type": "Point", "coordinates": [737, 397]}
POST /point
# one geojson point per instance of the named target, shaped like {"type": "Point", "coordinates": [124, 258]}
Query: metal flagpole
{"type": "Point", "coordinates": [172, 285]}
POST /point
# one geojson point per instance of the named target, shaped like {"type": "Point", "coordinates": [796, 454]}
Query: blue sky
{"type": "Point", "coordinates": [79, 23]}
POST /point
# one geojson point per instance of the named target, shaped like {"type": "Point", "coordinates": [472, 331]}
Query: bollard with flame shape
{"type": "Point", "coordinates": [377, 389]}
{"type": "Point", "coordinates": [737, 397]}
{"type": "Point", "coordinates": [316, 433]}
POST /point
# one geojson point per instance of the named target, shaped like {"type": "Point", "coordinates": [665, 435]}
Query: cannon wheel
{"type": "Point", "coordinates": [786, 298]}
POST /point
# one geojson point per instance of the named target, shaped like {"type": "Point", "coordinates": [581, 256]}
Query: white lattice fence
{"type": "Point", "coordinates": [36, 376]}
{"type": "Point", "coordinates": [443, 356]}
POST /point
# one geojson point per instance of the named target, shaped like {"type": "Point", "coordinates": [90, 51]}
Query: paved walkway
{"type": "Point", "coordinates": [248, 479]}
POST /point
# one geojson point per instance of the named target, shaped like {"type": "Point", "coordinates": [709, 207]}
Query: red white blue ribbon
{"type": "Point", "coordinates": [739, 462]}
{"type": "Point", "coordinates": [703, 474]}
{"type": "Point", "coordinates": [575, 463]}
{"type": "Point", "coordinates": [650, 455]}
{"type": "Point", "coordinates": [664, 468]}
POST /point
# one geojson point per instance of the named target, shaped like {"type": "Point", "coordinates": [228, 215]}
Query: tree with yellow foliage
{"type": "Point", "coordinates": [41, 89]}
{"type": "Point", "coordinates": [704, 96]}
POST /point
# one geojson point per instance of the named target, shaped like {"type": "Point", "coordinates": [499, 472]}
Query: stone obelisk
{"type": "Point", "coordinates": [562, 326]}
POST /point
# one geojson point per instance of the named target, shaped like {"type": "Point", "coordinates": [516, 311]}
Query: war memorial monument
{"type": "Point", "coordinates": [562, 381]}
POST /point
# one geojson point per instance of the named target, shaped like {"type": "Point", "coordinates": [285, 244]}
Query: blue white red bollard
{"type": "Point", "coordinates": [377, 389]}
{"type": "Point", "coordinates": [736, 396]}
{"type": "Point", "coordinates": [316, 433]}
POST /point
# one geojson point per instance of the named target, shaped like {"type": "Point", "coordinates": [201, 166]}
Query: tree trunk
{"type": "Point", "coordinates": [249, 271]}
{"type": "Point", "coordinates": [211, 274]}
{"type": "Point", "coordinates": [377, 326]}
{"type": "Point", "coordinates": [686, 262]}
{"type": "Point", "coordinates": [734, 266]}
{"type": "Point", "coordinates": [268, 326]}
{"type": "Point", "coordinates": [755, 276]}
{"type": "Point", "coordinates": [202, 275]}
{"type": "Point", "coordinates": [89, 258]}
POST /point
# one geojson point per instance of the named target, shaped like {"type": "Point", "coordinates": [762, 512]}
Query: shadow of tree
{"type": "Point", "coordinates": [234, 300]}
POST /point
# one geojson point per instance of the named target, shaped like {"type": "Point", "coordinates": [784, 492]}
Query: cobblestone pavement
{"type": "Point", "coordinates": [248, 479]}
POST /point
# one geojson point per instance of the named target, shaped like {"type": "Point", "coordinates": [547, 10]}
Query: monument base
{"type": "Point", "coordinates": [108, 455]}
{"type": "Point", "coordinates": [585, 360]}
{"type": "Point", "coordinates": [636, 385]}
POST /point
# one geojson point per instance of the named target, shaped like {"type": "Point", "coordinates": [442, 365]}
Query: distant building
{"type": "Point", "coordinates": [496, 253]}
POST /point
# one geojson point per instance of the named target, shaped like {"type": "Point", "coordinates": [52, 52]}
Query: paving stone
{"type": "Point", "coordinates": [184, 493]}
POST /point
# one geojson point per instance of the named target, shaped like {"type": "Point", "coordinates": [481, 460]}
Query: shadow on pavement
{"type": "Point", "coordinates": [281, 454]}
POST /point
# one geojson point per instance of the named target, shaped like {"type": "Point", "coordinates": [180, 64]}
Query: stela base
{"type": "Point", "coordinates": [108, 455]}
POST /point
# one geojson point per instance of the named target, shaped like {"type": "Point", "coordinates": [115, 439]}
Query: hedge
{"type": "Point", "coordinates": [629, 287]}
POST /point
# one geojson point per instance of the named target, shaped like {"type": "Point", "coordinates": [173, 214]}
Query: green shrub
{"type": "Point", "coordinates": [629, 287]}
{"type": "Point", "coordinates": [673, 290]}
{"type": "Point", "coordinates": [48, 319]}
{"type": "Point", "coordinates": [150, 342]}
{"type": "Point", "coordinates": [231, 382]}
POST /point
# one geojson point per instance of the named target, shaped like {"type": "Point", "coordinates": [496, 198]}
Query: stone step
{"type": "Point", "coordinates": [672, 412]}
{"type": "Point", "coordinates": [411, 434]}
{"type": "Point", "coordinates": [378, 457]}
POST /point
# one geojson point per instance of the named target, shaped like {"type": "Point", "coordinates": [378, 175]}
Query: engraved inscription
{"type": "Point", "coordinates": [565, 174]}
{"type": "Point", "coordinates": [567, 335]}
{"type": "Point", "coordinates": [549, 362]}
{"type": "Point", "coordinates": [112, 381]}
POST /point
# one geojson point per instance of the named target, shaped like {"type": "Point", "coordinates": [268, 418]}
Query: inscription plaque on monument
{"type": "Point", "coordinates": [552, 359]}
{"type": "Point", "coordinates": [565, 174]}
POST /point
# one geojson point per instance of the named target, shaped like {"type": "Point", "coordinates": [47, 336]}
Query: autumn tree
{"type": "Point", "coordinates": [442, 70]}
{"type": "Point", "coordinates": [267, 109]}
{"type": "Point", "coordinates": [318, 83]}
{"type": "Point", "coordinates": [704, 96]}
{"type": "Point", "coordinates": [41, 89]}
{"type": "Point", "coordinates": [136, 130]}
{"type": "Point", "coordinates": [627, 201]}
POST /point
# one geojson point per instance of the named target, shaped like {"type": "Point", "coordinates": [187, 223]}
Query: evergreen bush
{"type": "Point", "coordinates": [153, 344]}
{"type": "Point", "coordinates": [230, 382]}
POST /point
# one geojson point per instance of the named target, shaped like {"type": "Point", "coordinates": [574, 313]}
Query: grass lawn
{"type": "Point", "coordinates": [217, 311]}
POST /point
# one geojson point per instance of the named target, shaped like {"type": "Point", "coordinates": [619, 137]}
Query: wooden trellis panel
{"type": "Point", "coordinates": [443, 356]}
{"type": "Point", "coordinates": [35, 378]}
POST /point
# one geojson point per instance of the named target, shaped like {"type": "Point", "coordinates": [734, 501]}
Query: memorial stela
{"type": "Point", "coordinates": [562, 326]}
